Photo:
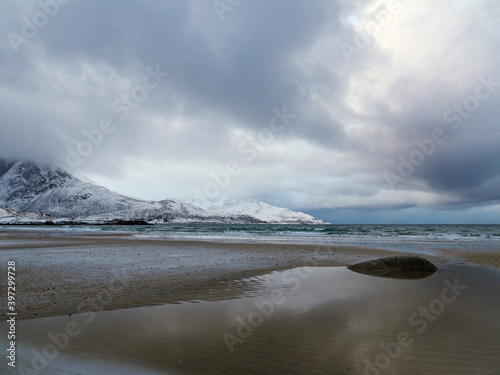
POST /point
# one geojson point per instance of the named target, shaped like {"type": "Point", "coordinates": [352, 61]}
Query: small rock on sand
{"type": "Point", "coordinates": [397, 267]}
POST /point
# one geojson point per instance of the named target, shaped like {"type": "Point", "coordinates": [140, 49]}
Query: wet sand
{"type": "Point", "coordinates": [313, 320]}
{"type": "Point", "coordinates": [60, 275]}
{"type": "Point", "coordinates": [158, 307]}
{"type": "Point", "coordinates": [489, 258]}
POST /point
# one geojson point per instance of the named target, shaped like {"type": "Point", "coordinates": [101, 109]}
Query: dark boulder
{"type": "Point", "coordinates": [398, 267]}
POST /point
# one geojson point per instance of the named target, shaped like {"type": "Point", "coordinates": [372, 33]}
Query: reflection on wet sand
{"type": "Point", "coordinates": [304, 321]}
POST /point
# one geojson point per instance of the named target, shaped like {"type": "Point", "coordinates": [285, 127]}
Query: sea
{"type": "Point", "coordinates": [411, 238]}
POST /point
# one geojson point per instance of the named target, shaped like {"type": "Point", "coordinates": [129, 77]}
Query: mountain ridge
{"type": "Point", "coordinates": [29, 187]}
{"type": "Point", "coordinates": [261, 210]}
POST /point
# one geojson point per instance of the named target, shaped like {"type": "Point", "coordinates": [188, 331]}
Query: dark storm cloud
{"type": "Point", "coordinates": [468, 170]}
{"type": "Point", "coordinates": [356, 116]}
{"type": "Point", "coordinates": [240, 67]}
{"type": "Point", "coordinates": [465, 164]}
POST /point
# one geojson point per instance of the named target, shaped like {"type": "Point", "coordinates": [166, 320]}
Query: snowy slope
{"type": "Point", "coordinates": [10, 217]}
{"type": "Point", "coordinates": [260, 210]}
{"type": "Point", "coordinates": [28, 187]}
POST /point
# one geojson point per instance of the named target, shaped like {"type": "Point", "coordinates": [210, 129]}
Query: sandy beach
{"type": "Point", "coordinates": [149, 306]}
{"type": "Point", "coordinates": [61, 275]}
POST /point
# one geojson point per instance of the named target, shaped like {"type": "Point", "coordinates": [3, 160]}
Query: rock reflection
{"type": "Point", "coordinates": [321, 321]}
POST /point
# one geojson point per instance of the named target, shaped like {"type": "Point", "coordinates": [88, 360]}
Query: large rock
{"type": "Point", "coordinates": [398, 267]}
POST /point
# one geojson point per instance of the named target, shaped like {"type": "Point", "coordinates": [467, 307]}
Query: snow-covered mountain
{"type": "Point", "coordinates": [27, 187]}
{"type": "Point", "coordinates": [31, 192]}
{"type": "Point", "coordinates": [260, 210]}
{"type": "Point", "coordinates": [10, 217]}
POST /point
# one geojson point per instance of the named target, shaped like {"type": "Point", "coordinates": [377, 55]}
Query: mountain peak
{"type": "Point", "coordinates": [261, 210]}
{"type": "Point", "coordinates": [28, 187]}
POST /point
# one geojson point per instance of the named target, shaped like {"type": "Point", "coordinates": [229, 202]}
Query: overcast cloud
{"type": "Point", "coordinates": [356, 111]}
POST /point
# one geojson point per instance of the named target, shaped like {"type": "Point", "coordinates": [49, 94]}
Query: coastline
{"type": "Point", "coordinates": [70, 274]}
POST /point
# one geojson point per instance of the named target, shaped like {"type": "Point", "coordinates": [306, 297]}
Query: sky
{"type": "Point", "coordinates": [355, 111]}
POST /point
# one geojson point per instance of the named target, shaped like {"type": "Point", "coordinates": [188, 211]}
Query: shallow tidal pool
{"type": "Point", "coordinates": [311, 320]}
